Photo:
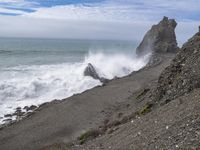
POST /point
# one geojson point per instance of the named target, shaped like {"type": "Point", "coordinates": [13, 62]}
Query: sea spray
{"type": "Point", "coordinates": [115, 65]}
{"type": "Point", "coordinates": [35, 84]}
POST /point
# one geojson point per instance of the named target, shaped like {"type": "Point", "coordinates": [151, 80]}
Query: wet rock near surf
{"type": "Point", "coordinates": [30, 108]}
{"type": "Point", "coordinates": [160, 38]}
{"type": "Point", "coordinates": [183, 75]}
{"type": "Point", "coordinates": [91, 72]}
{"type": "Point", "coordinates": [18, 114]}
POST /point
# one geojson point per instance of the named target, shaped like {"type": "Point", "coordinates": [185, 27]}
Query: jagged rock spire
{"type": "Point", "coordinates": [160, 38]}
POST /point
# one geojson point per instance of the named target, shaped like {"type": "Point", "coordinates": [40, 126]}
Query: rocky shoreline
{"type": "Point", "coordinates": [157, 107]}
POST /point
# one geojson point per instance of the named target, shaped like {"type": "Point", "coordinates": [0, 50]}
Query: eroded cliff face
{"type": "Point", "coordinates": [183, 75]}
{"type": "Point", "coordinates": [160, 38]}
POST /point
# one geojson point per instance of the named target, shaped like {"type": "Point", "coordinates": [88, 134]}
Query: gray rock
{"type": "Point", "coordinates": [18, 113]}
{"type": "Point", "coordinates": [7, 121]}
{"type": "Point", "coordinates": [91, 71]}
{"type": "Point", "coordinates": [160, 38]}
{"type": "Point", "coordinates": [183, 75]}
{"type": "Point", "coordinates": [18, 109]}
{"type": "Point", "coordinates": [31, 108]}
{"type": "Point", "coordinates": [8, 115]}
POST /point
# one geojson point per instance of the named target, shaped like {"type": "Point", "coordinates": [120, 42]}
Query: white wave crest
{"type": "Point", "coordinates": [33, 85]}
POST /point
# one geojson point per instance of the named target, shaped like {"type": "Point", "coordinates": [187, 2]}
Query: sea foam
{"type": "Point", "coordinates": [33, 85]}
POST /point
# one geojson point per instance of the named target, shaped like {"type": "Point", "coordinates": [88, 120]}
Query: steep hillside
{"type": "Point", "coordinates": [173, 125]}
{"type": "Point", "coordinates": [183, 75]}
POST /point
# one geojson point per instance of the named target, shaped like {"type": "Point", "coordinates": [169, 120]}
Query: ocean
{"type": "Point", "coordinates": [34, 71]}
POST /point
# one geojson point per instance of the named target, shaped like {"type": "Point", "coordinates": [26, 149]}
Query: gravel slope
{"type": "Point", "coordinates": [64, 121]}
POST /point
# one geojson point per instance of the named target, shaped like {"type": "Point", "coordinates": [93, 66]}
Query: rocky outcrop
{"type": "Point", "coordinates": [160, 38]}
{"type": "Point", "coordinates": [183, 75]}
{"type": "Point", "coordinates": [91, 71]}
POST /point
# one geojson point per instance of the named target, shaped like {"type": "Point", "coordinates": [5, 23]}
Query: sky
{"type": "Point", "coordinates": [95, 19]}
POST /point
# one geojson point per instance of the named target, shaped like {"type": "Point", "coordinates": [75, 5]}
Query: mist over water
{"type": "Point", "coordinates": [33, 71]}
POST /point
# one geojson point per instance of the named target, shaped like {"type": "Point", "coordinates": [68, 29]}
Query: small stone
{"type": "Point", "coordinates": [18, 113]}
{"type": "Point", "coordinates": [7, 120]}
{"type": "Point", "coordinates": [7, 115]}
{"type": "Point", "coordinates": [26, 108]}
{"type": "Point", "coordinates": [177, 146]}
{"type": "Point", "coordinates": [18, 108]}
{"type": "Point", "coordinates": [167, 127]}
{"type": "Point", "coordinates": [132, 121]}
{"type": "Point", "coordinates": [195, 51]}
{"type": "Point", "coordinates": [119, 115]}
{"type": "Point", "coordinates": [198, 133]}
{"type": "Point", "coordinates": [32, 107]}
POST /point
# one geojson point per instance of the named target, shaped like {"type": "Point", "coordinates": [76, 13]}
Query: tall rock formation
{"type": "Point", "coordinates": [160, 38]}
{"type": "Point", "coordinates": [183, 75]}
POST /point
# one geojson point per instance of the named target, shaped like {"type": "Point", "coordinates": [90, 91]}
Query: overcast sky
{"type": "Point", "coordinates": [95, 19]}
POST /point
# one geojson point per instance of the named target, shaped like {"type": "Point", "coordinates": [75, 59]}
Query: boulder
{"type": "Point", "coordinates": [18, 112]}
{"type": "Point", "coordinates": [7, 121]}
{"type": "Point", "coordinates": [8, 115]}
{"type": "Point", "coordinates": [31, 108]}
{"type": "Point", "coordinates": [91, 71]}
{"type": "Point", "coordinates": [161, 38]}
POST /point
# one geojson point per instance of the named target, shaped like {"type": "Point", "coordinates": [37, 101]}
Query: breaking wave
{"type": "Point", "coordinates": [33, 85]}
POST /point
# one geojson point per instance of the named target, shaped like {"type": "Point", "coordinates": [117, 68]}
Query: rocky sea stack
{"type": "Point", "coordinates": [160, 38]}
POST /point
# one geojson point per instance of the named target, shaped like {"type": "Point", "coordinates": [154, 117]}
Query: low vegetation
{"type": "Point", "coordinates": [142, 93]}
{"type": "Point", "coordinates": [145, 109]}
{"type": "Point", "coordinates": [88, 135]}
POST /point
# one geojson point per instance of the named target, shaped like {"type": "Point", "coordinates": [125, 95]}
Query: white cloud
{"type": "Point", "coordinates": [50, 28]}
{"type": "Point", "coordinates": [123, 10]}
{"type": "Point", "coordinates": [18, 4]}
{"type": "Point", "coordinates": [5, 10]}
{"type": "Point", "coordinates": [101, 12]}
{"type": "Point", "coordinates": [112, 19]}
{"type": "Point", "coordinates": [11, 1]}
